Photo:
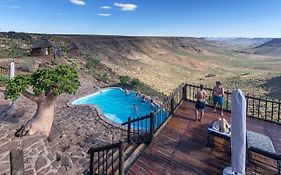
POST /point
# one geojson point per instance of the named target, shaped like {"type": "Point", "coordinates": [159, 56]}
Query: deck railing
{"type": "Point", "coordinates": [103, 159]}
{"type": "Point", "coordinates": [261, 108]}
{"type": "Point", "coordinates": [139, 129]}
{"type": "Point", "coordinates": [4, 70]}
{"type": "Point", "coordinates": [142, 129]}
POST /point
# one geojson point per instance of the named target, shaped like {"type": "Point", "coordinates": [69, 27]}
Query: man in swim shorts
{"type": "Point", "coordinates": [201, 97]}
{"type": "Point", "coordinates": [218, 92]}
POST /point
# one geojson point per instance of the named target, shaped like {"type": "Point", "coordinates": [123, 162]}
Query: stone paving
{"type": "Point", "coordinates": [75, 130]}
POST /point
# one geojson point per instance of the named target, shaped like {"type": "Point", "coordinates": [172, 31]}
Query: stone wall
{"type": "Point", "coordinates": [75, 130]}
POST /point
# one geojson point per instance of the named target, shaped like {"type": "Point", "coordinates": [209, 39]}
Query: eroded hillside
{"type": "Point", "coordinates": [165, 62]}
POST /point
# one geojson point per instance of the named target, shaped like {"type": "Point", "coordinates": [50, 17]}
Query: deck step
{"type": "Point", "coordinates": [134, 155]}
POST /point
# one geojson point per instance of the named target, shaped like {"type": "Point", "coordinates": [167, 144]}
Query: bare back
{"type": "Point", "coordinates": [201, 95]}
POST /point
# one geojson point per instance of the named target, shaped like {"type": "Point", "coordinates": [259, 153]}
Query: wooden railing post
{"type": "Point", "coordinates": [129, 130]}
{"type": "Point", "coordinates": [121, 159]}
{"type": "Point", "coordinates": [247, 105]}
{"type": "Point", "coordinates": [278, 111]}
{"type": "Point", "coordinates": [92, 163]}
{"type": "Point", "coordinates": [227, 99]}
{"type": "Point", "coordinates": [184, 92]}
{"type": "Point", "coordinates": [16, 161]}
{"type": "Point", "coordinates": [152, 124]}
{"type": "Point", "coordinates": [172, 105]}
{"type": "Point", "coordinates": [265, 112]}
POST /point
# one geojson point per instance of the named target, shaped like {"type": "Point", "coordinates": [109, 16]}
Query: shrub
{"type": "Point", "coordinates": [55, 61]}
{"type": "Point", "coordinates": [102, 77]}
{"type": "Point", "coordinates": [135, 82]}
{"type": "Point", "coordinates": [92, 63]}
{"type": "Point", "coordinates": [124, 80]}
{"type": "Point", "coordinates": [3, 79]}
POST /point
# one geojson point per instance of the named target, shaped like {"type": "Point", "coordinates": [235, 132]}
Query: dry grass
{"type": "Point", "coordinates": [165, 71]}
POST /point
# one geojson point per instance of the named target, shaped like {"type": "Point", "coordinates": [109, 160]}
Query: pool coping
{"type": "Point", "coordinates": [94, 93]}
{"type": "Point", "coordinates": [101, 116]}
{"type": "Point", "coordinates": [98, 111]}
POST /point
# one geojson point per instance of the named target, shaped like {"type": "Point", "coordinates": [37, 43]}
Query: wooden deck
{"type": "Point", "coordinates": [180, 148]}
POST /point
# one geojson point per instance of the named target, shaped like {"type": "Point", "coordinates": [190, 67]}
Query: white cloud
{"type": "Point", "coordinates": [105, 7]}
{"type": "Point", "coordinates": [13, 6]}
{"type": "Point", "coordinates": [104, 14]}
{"type": "Point", "coordinates": [126, 7]}
{"type": "Point", "coordinates": [78, 2]}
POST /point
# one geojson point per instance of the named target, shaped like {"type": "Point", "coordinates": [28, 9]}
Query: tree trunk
{"type": "Point", "coordinates": [42, 121]}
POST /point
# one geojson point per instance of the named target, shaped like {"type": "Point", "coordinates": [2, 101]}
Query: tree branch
{"type": "Point", "coordinates": [48, 92]}
{"type": "Point", "coordinates": [31, 96]}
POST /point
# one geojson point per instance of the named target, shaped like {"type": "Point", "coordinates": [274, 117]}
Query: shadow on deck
{"type": "Point", "coordinates": [180, 147]}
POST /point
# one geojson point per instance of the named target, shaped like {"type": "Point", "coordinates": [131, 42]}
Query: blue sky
{"type": "Point", "coordinates": [198, 18]}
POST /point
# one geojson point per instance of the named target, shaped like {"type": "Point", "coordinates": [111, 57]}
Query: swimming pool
{"type": "Point", "coordinates": [116, 105]}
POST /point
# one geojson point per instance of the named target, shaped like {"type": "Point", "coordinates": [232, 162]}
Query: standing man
{"type": "Point", "coordinates": [201, 97]}
{"type": "Point", "coordinates": [218, 92]}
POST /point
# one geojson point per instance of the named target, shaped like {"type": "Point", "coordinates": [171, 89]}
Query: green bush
{"type": "Point", "coordinates": [3, 79]}
{"type": "Point", "coordinates": [92, 63]}
{"type": "Point", "coordinates": [125, 80]}
{"type": "Point", "coordinates": [135, 82]}
{"type": "Point", "coordinates": [63, 48]}
{"type": "Point", "coordinates": [103, 77]}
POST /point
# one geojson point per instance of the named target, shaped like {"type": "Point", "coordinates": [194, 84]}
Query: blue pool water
{"type": "Point", "coordinates": [116, 105]}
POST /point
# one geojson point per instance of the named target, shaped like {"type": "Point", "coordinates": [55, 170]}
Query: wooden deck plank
{"type": "Point", "coordinates": [180, 148]}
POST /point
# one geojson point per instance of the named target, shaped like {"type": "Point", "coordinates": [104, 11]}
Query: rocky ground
{"type": "Point", "coordinates": [75, 130]}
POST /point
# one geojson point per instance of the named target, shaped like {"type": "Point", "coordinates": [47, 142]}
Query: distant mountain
{"type": "Point", "coordinates": [239, 44]}
{"type": "Point", "coordinates": [107, 47]}
{"type": "Point", "coordinates": [273, 42]}
{"type": "Point", "coordinates": [269, 48]}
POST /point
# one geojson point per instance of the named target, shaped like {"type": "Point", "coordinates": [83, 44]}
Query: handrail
{"type": "Point", "coordinates": [155, 119]}
{"type": "Point", "coordinates": [246, 96]}
{"type": "Point", "coordinates": [4, 69]}
{"type": "Point", "coordinates": [105, 159]}
{"type": "Point", "coordinates": [263, 99]}
{"type": "Point", "coordinates": [257, 107]}
{"type": "Point", "coordinates": [135, 120]}
{"type": "Point", "coordinates": [112, 146]}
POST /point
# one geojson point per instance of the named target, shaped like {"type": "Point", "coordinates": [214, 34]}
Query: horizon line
{"type": "Point", "coordinates": [158, 36]}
